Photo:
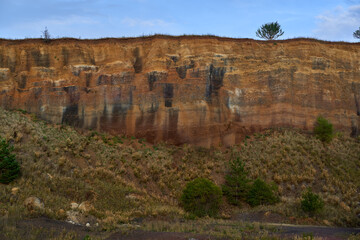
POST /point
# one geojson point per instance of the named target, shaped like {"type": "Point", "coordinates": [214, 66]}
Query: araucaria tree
{"type": "Point", "coordinates": [357, 33]}
{"type": "Point", "coordinates": [270, 31]}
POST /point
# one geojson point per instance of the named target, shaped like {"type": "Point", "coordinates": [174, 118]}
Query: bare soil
{"type": "Point", "coordinates": [143, 235]}
{"type": "Point", "coordinates": [46, 228]}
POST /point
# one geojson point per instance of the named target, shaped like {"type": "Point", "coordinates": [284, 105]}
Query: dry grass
{"type": "Point", "coordinates": [216, 228]}
{"type": "Point", "coordinates": [127, 179]}
{"type": "Point", "coordinates": [296, 161]}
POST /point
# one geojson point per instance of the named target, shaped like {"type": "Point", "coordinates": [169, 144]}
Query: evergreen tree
{"type": "Point", "coordinates": [261, 193]}
{"type": "Point", "coordinates": [9, 167]}
{"type": "Point", "coordinates": [311, 202]}
{"type": "Point", "coordinates": [201, 197]}
{"type": "Point", "coordinates": [323, 129]}
{"type": "Point", "coordinates": [236, 185]}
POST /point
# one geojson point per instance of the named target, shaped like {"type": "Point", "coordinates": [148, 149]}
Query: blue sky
{"type": "Point", "coordinates": [334, 20]}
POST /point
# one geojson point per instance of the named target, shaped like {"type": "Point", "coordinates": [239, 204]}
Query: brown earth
{"type": "Point", "coordinates": [200, 90]}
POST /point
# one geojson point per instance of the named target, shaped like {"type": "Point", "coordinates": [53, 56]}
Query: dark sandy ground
{"type": "Point", "coordinates": [55, 228]}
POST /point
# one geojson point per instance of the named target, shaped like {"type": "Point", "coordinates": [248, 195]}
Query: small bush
{"type": "Point", "coordinates": [201, 197]}
{"type": "Point", "coordinates": [46, 35]}
{"type": "Point", "coordinates": [323, 129]}
{"type": "Point", "coordinates": [261, 193]}
{"type": "Point", "coordinates": [9, 168]}
{"type": "Point", "coordinates": [311, 202]}
{"type": "Point", "coordinates": [236, 185]}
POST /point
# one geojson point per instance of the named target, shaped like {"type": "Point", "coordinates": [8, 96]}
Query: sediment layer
{"type": "Point", "coordinates": [199, 90]}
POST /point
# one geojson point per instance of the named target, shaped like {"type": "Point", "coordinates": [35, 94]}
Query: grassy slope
{"type": "Point", "coordinates": [126, 178]}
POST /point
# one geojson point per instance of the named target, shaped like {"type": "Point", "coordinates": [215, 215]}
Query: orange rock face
{"type": "Point", "coordinates": [198, 90]}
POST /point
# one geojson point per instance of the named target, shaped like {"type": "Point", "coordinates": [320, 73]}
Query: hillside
{"type": "Point", "coordinates": [127, 180]}
{"type": "Point", "coordinates": [207, 91]}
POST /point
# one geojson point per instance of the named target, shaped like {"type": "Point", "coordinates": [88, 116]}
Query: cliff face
{"type": "Point", "coordinates": [199, 90]}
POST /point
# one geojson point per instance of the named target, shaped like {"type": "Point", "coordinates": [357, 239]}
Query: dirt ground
{"type": "Point", "coordinates": [44, 228]}
{"type": "Point", "coordinates": [142, 235]}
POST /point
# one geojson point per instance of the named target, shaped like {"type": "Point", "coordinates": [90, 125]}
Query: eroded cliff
{"type": "Point", "coordinates": [199, 90]}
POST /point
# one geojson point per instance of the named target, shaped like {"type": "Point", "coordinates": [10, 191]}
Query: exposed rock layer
{"type": "Point", "coordinates": [199, 90]}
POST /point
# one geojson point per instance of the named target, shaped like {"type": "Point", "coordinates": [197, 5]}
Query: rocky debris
{"type": "Point", "coordinates": [345, 207]}
{"type": "Point", "coordinates": [33, 203]}
{"type": "Point", "coordinates": [79, 214]}
{"type": "Point", "coordinates": [15, 191]}
{"type": "Point", "coordinates": [133, 197]}
{"type": "Point", "coordinates": [79, 218]}
{"type": "Point", "coordinates": [74, 205]}
{"type": "Point", "coordinates": [85, 206]}
{"type": "Point", "coordinates": [61, 213]}
{"type": "Point", "coordinates": [73, 217]}
{"type": "Point", "coordinates": [327, 223]}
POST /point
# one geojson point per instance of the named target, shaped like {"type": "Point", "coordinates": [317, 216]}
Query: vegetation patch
{"type": "Point", "coordinates": [311, 202]}
{"type": "Point", "coordinates": [261, 193]}
{"type": "Point", "coordinates": [119, 180]}
{"type": "Point", "coordinates": [202, 197]}
{"type": "Point", "coordinates": [9, 167]}
{"type": "Point", "coordinates": [323, 129]}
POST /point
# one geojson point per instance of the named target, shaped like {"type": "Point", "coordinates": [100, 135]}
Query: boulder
{"type": "Point", "coordinates": [74, 205]}
{"type": "Point", "coordinates": [15, 190]}
{"type": "Point", "coordinates": [85, 206]}
{"type": "Point", "coordinates": [33, 203]}
{"type": "Point", "coordinates": [73, 217]}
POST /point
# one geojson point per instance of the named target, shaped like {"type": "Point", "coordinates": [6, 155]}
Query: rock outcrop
{"type": "Point", "coordinates": [199, 90]}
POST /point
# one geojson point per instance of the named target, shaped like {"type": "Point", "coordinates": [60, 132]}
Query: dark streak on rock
{"type": "Point", "coordinates": [40, 60]}
{"type": "Point", "coordinates": [154, 77]}
{"type": "Point", "coordinates": [151, 80]}
{"type": "Point", "coordinates": [22, 80]}
{"type": "Point", "coordinates": [115, 79]}
{"type": "Point", "coordinates": [173, 118]}
{"type": "Point", "coordinates": [73, 93]}
{"type": "Point", "coordinates": [214, 81]}
{"type": "Point", "coordinates": [65, 55]}
{"type": "Point", "coordinates": [168, 94]}
{"type": "Point", "coordinates": [354, 131]}
{"type": "Point", "coordinates": [356, 90]}
{"type": "Point", "coordinates": [138, 61]}
{"type": "Point", "coordinates": [71, 116]}
{"type": "Point", "coordinates": [181, 71]}
{"type": "Point", "coordinates": [88, 77]}
{"type": "Point", "coordinates": [320, 63]}
{"type": "Point", "coordinates": [37, 92]}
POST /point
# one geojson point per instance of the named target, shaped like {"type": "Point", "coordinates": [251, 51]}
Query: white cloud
{"type": "Point", "coordinates": [133, 22]}
{"type": "Point", "coordinates": [338, 24]}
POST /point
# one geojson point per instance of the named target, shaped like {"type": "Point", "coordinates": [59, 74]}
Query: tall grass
{"type": "Point", "coordinates": [125, 179]}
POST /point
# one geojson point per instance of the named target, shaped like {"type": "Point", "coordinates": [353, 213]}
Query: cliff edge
{"type": "Point", "coordinates": [199, 90]}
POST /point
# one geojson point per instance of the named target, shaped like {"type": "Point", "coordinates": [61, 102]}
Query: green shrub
{"type": "Point", "coordinates": [323, 129]}
{"type": "Point", "coordinates": [236, 185]}
{"type": "Point", "coordinates": [9, 167]}
{"type": "Point", "coordinates": [261, 193]}
{"type": "Point", "coordinates": [311, 202]}
{"type": "Point", "coordinates": [201, 197]}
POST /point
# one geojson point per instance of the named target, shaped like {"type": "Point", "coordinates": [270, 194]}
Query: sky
{"type": "Point", "coordinates": [333, 20]}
